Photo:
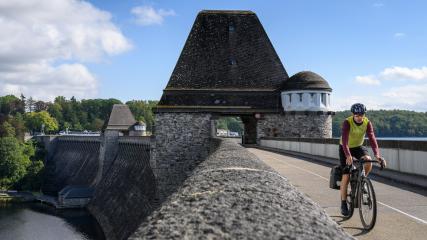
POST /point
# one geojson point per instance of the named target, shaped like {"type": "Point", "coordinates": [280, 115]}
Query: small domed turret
{"type": "Point", "coordinates": [306, 91]}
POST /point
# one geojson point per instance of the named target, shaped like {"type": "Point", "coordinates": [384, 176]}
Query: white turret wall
{"type": "Point", "coordinates": [306, 100]}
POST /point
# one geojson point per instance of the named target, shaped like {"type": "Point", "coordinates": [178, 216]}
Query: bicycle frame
{"type": "Point", "coordinates": [357, 175]}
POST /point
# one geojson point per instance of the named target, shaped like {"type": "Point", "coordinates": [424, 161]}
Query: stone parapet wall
{"type": "Point", "coordinates": [306, 125]}
{"type": "Point", "coordinates": [234, 195]}
{"type": "Point", "coordinates": [136, 139]}
{"type": "Point", "coordinates": [181, 143]}
{"type": "Point", "coordinates": [402, 156]}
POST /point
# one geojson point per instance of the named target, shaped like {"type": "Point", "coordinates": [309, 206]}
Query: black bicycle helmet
{"type": "Point", "coordinates": [358, 108]}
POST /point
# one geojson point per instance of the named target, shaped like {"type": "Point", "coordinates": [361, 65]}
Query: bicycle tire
{"type": "Point", "coordinates": [350, 205]}
{"type": "Point", "coordinates": [350, 202]}
{"type": "Point", "coordinates": [370, 203]}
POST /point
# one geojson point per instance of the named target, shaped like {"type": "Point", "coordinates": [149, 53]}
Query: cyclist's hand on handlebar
{"type": "Point", "coordinates": [381, 161]}
{"type": "Point", "coordinates": [349, 160]}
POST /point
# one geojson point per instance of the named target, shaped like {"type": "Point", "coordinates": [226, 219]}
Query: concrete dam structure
{"type": "Point", "coordinates": [71, 161]}
{"type": "Point", "coordinates": [127, 193]}
{"type": "Point", "coordinates": [127, 182]}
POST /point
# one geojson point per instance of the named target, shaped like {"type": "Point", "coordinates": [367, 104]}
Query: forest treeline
{"type": "Point", "coordinates": [388, 123]}
{"type": "Point", "coordinates": [28, 115]}
{"type": "Point", "coordinates": [87, 114]}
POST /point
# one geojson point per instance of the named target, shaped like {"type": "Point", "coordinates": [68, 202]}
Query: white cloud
{"type": "Point", "coordinates": [403, 88]}
{"type": "Point", "coordinates": [42, 81]}
{"type": "Point", "coordinates": [406, 98]}
{"type": "Point", "coordinates": [378, 5]}
{"type": "Point", "coordinates": [399, 35]}
{"type": "Point", "coordinates": [412, 94]}
{"type": "Point", "coordinates": [344, 103]}
{"type": "Point", "coordinates": [38, 37]}
{"type": "Point", "coordinates": [147, 15]}
{"type": "Point", "coordinates": [404, 73]}
{"type": "Point", "coordinates": [394, 73]}
{"type": "Point", "coordinates": [368, 80]}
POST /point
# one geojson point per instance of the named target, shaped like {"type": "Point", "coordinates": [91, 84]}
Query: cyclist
{"type": "Point", "coordinates": [353, 133]}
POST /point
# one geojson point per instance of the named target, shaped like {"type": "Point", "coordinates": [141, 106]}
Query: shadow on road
{"type": "Point", "coordinates": [361, 232]}
{"type": "Point", "coordinates": [340, 220]}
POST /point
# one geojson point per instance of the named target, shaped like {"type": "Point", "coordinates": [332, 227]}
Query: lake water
{"type": "Point", "coordinates": [404, 138]}
{"type": "Point", "coordinates": [39, 221]}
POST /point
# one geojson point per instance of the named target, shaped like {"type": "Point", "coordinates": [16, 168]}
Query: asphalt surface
{"type": "Point", "coordinates": [402, 211]}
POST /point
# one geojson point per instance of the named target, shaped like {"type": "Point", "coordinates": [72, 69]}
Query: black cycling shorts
{"type": "Point", "coordinates": [356, 152]}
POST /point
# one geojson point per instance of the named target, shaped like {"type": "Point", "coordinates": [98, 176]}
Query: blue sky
{"type": "Point", "coordinates": [374, 52]}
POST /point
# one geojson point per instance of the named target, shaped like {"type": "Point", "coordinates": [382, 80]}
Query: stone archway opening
{"type": "Point", "coordinates": [243, 127]}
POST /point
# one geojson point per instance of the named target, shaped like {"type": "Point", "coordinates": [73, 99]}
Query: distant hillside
{"type": "Point", "coordinates": [389, 123]}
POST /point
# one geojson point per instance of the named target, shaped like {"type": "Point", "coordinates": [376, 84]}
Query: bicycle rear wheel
{"type": "Point", "coordinates": [367, 204]}
{"type": "Point", "coordinates": [350, 204]}
{"type": "Point", "coordinates": [351, 201]}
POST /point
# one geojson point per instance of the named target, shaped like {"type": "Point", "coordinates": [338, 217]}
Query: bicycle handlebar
{"type": "Point", "coordinates": [374, 161]}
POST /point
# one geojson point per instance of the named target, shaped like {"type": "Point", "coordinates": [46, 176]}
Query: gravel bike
{"type": "Point", "coordinates": [362, 194]}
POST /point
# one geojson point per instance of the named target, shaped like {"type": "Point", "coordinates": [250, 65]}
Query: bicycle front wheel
{"type": "Point", "coordinates": [367, 204]}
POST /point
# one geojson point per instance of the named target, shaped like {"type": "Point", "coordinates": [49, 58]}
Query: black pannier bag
{"type": "Point", "coordinates": [335, 177]}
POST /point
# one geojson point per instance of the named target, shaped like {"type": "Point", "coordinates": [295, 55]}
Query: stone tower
{"type": "Point", "coordinates": [306, 109]}
{"type": "Point", "coordinates": [228, 67]}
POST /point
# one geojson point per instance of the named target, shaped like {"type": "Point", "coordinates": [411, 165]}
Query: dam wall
{"type": "Point", "coordinates": [127, 193]}
{"type": "Point", "coordinates": [71, 160]}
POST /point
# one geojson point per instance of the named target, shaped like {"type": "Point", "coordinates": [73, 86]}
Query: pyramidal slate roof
{"type": "Point", "coordinates": [121, 118]}
{"type": "Point", "coordinates": [228, 62]}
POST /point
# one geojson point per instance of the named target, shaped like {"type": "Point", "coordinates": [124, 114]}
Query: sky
{"type": "Point", "coordinates": [374, 52]}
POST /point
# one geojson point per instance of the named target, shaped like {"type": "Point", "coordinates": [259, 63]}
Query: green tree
{"type": "Point", "coordinates": [143, 111]}
{"type": "Point", "coordinates": [96, 124]}
{"type": "Point", "coordinates": [35, 120]}
{"type": "Point", "coordinates": [18, 123]}
{"type": "Point", "coordinates": [235, 126]}
{"type": "Point", "coordinates": [10, 105]}
{"type": "Point", "coordinates": [13, 162]}
{"type": "Point", "coordinates": [32, 180]}
{"type": "Point", "coordinates": [55, 110]}
{"type": "Point", "coordinates": [7, 130]}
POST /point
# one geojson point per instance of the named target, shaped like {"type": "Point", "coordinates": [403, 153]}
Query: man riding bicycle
{"type": "Point", "coordinates": [353, 133]}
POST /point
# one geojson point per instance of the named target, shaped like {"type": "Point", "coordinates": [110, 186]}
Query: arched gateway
{"type": "Point", "coordinates": [229, 67]}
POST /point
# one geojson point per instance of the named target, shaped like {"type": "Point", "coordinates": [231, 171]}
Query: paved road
{"type": "Point", "coordinates": [402, 213]}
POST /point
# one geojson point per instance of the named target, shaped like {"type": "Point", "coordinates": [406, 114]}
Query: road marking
{"type": "Point", "coordinates": [402, 212]}
{"type": "Point", "coordinates": [393, 208]}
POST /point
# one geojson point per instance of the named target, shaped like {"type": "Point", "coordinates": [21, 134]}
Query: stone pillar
{"type": "Point", "coordinates": [107, 152]}
{"type": "Point", "coordinates": [181, 143]}
{"type": "Point", "coordinates": [250, 125]}
{"type": "Point", "coordinates": [295, 124]}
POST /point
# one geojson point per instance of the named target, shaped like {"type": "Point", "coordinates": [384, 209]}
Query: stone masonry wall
{"type": "Point", "coordinates": [234, 195]}
{"type": "Point", "coordinates": [181, 143]}
{"type": "Point", "coordinates": [308, 125]}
